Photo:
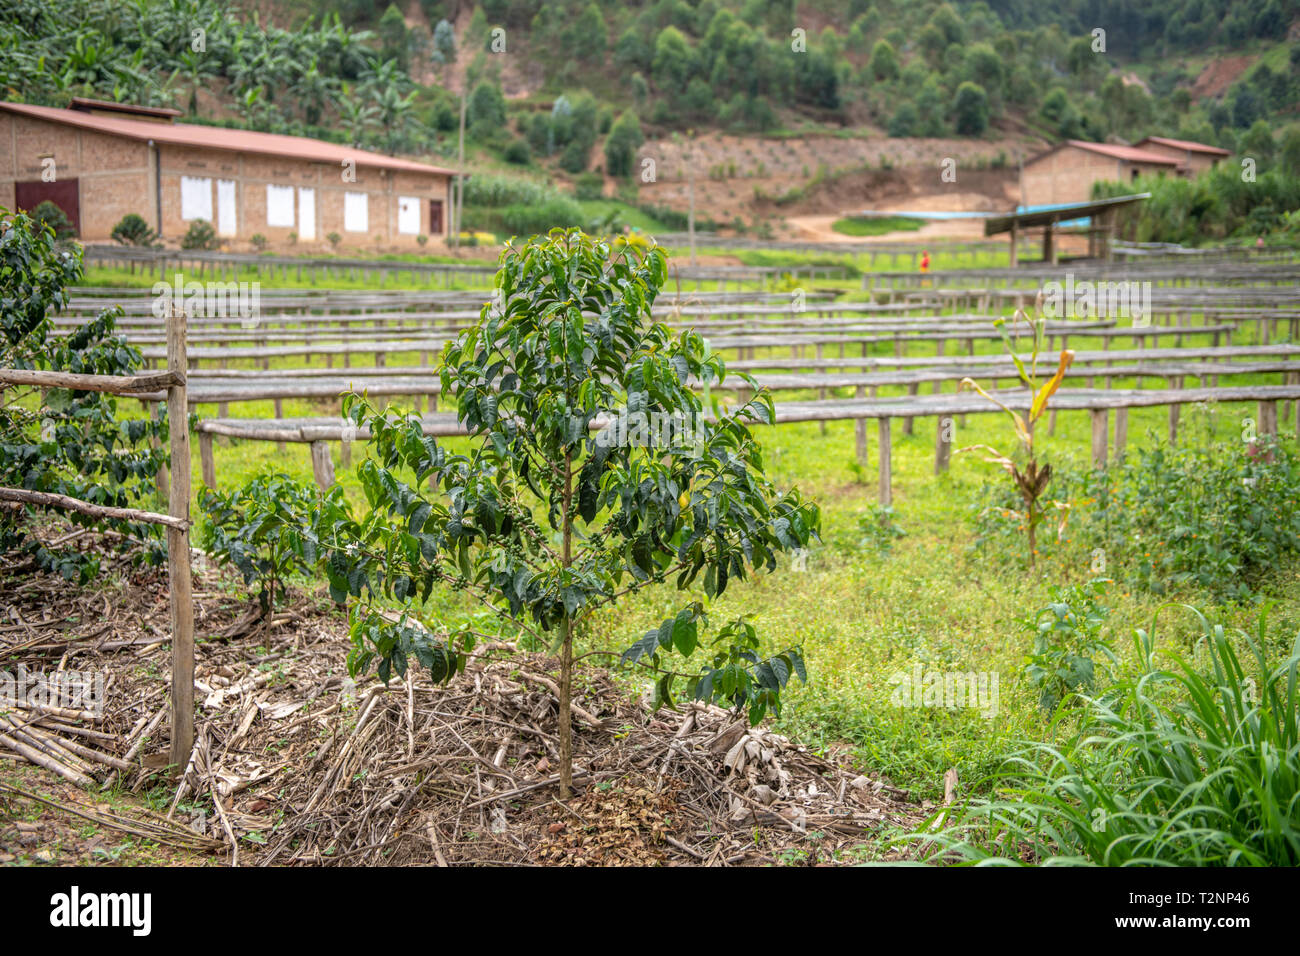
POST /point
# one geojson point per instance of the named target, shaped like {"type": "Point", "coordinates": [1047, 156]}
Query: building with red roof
{"type": "Point", "coordinates": [99, 161]}
{"type": "Point", "coordinates": [1066, 172]}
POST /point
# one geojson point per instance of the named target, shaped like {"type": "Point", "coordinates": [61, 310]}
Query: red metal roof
{"type": "Point", "coordinates": [85, 104]}
{"type": "Point", "coordinates": [1183, 144]}
{"type": "Point", "coordinates": [218, 137]}
{"type": "Point", "coordinates": [1127, 153]}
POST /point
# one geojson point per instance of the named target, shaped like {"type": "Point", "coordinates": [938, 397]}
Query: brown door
{"type": "Point", "coordinates": [64, 193]}
{"type": "Point", "coordinates": [435, 217]}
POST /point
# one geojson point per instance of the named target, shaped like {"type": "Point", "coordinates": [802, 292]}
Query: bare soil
{"type": "Point", "coordinates": [1218, 75]}
{"type": "Point", "coordinates": [296, 763]}
{"type": "Point", "coordinates": [743, 177]}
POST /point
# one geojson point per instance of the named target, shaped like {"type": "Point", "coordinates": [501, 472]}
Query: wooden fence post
{"type": "Point", "coordinates": [942, 445]}
{"type": "Point", "coordinates": [1121, 431]}
{"type": "Point", "coordinates": [178, 551]}
{"type": "Point", "coordinates": [886, 490]}
{"type": "Point", "coordinates": [1100, 425]}
{"type": "Point", "coordinates": [322, 465]}
{"type": "Point", "coordinates": [206, 460]}
{"type": "Point", "coordinates": [860, 432]}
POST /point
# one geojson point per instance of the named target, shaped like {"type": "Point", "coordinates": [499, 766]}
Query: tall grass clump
{"type": "Point", "coordinates": [1183, 765]}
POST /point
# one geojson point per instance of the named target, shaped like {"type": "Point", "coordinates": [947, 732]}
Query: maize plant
{"type": "Point", "coordinates": [1031, 477]}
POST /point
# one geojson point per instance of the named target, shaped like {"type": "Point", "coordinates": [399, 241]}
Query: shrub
{"type": "Point", "coordinates": [48, 214]}
{"type": "Point", "coordinates": [552, 214]}
{"type": "Point", "coordinates": [589, 186]}
{"type": "Point", "coordinates": [550, 523]}
{"type": "Point", "coordinates": [263, 529]}
{"type": "Point", "coordinates": [132, 230]}
{"type": "Point", "coordinates": [1220, 517]}
{"type": "Point", "coordinates": [200, 235]}
{"type": "Point", "coordinates": [518, 153]}
{"type": "Point", "coordinates": [1180, 766]}
{"type": "Point", "coordinates": [333, 238]}
{"type": "Point", "coordinates": [624, 139]}
{"type": "Point", "coordinates": [58, 441]}
{"type": "Point", "coordinates": [259, 241]}
{"type": "Point", "coordinates": [422, 239]}
{"type": "Point", "coordinates": [1067, 636]}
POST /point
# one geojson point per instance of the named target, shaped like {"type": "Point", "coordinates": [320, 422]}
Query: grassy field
{"type": "Point", "coordinates": [868, 606]}
{"type": "Point", "coordinates": [875, 226]}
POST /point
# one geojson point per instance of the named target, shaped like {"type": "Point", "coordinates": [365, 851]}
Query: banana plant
{"type": "Point", "coordinates": [1030, 476]}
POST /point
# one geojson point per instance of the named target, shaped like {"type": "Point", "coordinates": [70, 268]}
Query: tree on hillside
{"type": "Point", "coordinates": [444, 43]}
{"type": "Point", "coordinates": [674, 60]}
{"type": "Point", "coordinates": [1258, 143]}
{"type": "Point", "coordinates": [486, 111]}
{"type": "Point", "coordinates": [884, 62]}
{"type": "Point", "coordinates": [982, 65]}
{"type": "Point", "coordinates": [971, 110]}
{"type": "Point", "coordinates": [905, 122]}
{"type": "Point", "coordinates": [394, 36]}
{"type": "Point", "coordinates": [589, 35]}
{"type": "Point", "coordinates": [621, 145]}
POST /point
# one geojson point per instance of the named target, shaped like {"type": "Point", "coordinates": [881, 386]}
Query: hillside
{"type": "Point", "coordinates": [775, 102]}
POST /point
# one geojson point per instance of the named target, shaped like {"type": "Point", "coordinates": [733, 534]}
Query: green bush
{"type": "Point", "coordinates": [1067, 636]}
{"type": "Point", "coordinates": [264, 530]}
{"type": "Point", "coordinates": [589, 186]}
{"type": "Point", "coordinates": [200, 235]}
{"type": "Point", "coordinates": [48, 214]}
{"type": "Point", "coordinates": [259, 241]}
{"type": "Point", "coordinates": [1183, 765]}
{"type": "Point", "coordinates": [526, 220]}
{"type": "Point", "coordinates": [132, 230]}
{"type": "Point", "coordinates": [1222, 518]}
{"type": "Point", "coordinates": [64, 442]}
{"type": "Point", "coordinates": [518, 153]}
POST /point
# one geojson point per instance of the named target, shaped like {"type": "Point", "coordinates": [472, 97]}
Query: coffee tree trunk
{"type": "Point", "coordinates": [566, 649]}
{"type": "Point", "coordinates": [566, 719]}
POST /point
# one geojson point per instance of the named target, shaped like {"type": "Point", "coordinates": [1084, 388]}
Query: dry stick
{"type": "Point", "coordinates": [578, 774]}
{"type": "Point", "coordinates": [431, 828]}
{"type": "Point", "coordinates": [87, 753]}
{"type": "Point", "coordinates": [62, 728]}
{"type": "Point", "coordinates": [148, 829]}
{"type": "Point", "coordinates": [216, 802]}
{"type": "Point", "coordinates": [49, 763]}
{"type": "Point", "coordinates": [49, 744]}
{"type": "Point", "coordinates": [550, 685]}
{"type": "Point", "coordinates": [51, 710]}
{"type": "Point", "coordinates": [682, 731]}
{"type": "Point", "coordinates": [48, 500]}
{"type": "Point", "coordinates": [184, 786]}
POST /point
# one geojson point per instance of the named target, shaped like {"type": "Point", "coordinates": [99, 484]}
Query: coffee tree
{"type": "Point", "coordinates": [592, 473]}
{"type": "Point", "coordinates": [62, 441]}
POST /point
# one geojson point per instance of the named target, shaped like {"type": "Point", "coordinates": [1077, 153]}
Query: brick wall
{"type": "Point", "coordinates": [116, 177]}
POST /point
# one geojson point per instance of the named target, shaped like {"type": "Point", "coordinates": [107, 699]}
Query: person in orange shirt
{"type": "Point", "coordinates": [925, 260]}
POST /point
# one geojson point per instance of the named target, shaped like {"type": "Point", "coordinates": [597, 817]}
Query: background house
{"type": "Point", "coordinates": [1065, 173]}
{"type": "Point", "coordinates": [100, 161]}
{"type": "Point", "coordinates": [1193, 158]}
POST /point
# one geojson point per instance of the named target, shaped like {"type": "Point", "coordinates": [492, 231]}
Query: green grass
{"type": "Point", "coordinates": [864, 615]}
{"type": "Point", "coordinates": [876, 226]}
{"type": "Point", "coordinates": [631, 216]}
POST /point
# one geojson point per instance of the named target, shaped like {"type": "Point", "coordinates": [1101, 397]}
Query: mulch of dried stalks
{"type": "Point", "coordinates": [295, 764]}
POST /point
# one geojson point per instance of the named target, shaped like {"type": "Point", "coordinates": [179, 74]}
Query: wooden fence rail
{"type": "Point", "coordinates": [176, 521]}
